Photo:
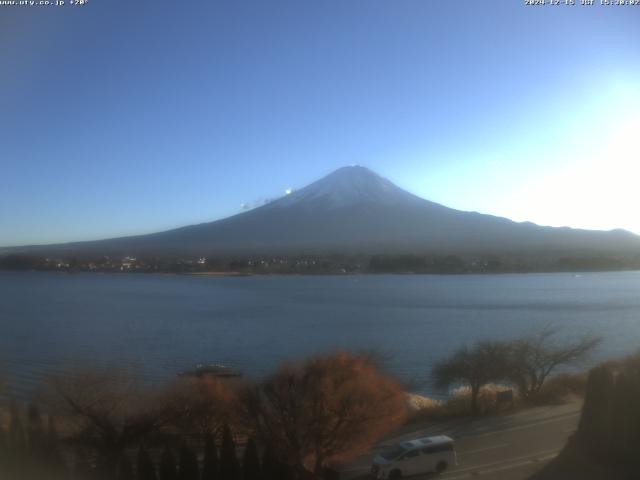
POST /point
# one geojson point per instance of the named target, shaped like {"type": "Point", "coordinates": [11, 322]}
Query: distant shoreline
{"type": "Point", "coordinates": [399, 264]}
{"type": "Point", "coordinates": [215, 274]}
{"type": "Point", "coordinates": [222, 274]}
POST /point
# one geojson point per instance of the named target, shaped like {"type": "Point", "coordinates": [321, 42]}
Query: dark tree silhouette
{"type": "Point", "coordinates": [229, 468]}
{"type": "Point", "coordinates": [210, 462]}
{"type": "Point", "coordinates": [251, 462]}
{"type": "Point", "coordinates": [53, 457]}
{"type": "Point", "coordinates": [125, 469]}
{"type": "Point", "coordinates": [17, 438]}
{"type": "Point", "coordinates": [483, 363]}
{"type": "Point", "coordinates": [284, 471]}
{"type": "Point", "coordinates": [4, 451]}
{"type": "Point", "coordinates": [146, 469]}
{"type": "Point", "coordinates": [168, 470]}
{"type": "Point", "coordinates": [269, 464]}
{"type": "Point", "coordinates": [188, 469]}
{"type": "Point", "coordinates": [272, 468]}
{"type": "Point", "coordinates": [17, 458]}
{"type": "Point", "coordinates": [82, 468]}
{"type": "Point", "coordinates": [35, 434]}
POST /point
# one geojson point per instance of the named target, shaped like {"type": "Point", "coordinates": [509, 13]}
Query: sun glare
{"type": "Point", "coordinates": [595, 185]}
{"type": "Point", "coordinates": [600, 191]}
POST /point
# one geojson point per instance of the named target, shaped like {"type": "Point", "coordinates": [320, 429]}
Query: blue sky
{"type": "Point", "coordinates": [124, 117]}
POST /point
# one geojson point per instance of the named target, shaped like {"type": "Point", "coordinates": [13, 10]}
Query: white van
{"type": "Point", "coordinates": [413, 457]}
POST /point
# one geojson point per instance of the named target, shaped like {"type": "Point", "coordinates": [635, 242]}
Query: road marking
{"type": "Point", "coordinates": [478, 450]}
{"type": "Point", "coordinates": [479, 473]}
{"type": "Point", "coordinates": [514, 459]}
{"type": "Point", "coordinates": [537, 459]}
{"type": "Point", "coordinates": [486, 427]}
{"type": "Point", "coordinates": [520, 464]}
{"type": "Point", "coordinates": [501, 464]}
{"type": "Point", "coordinates": [519, 427]}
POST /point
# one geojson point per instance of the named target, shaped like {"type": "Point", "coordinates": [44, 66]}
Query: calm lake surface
{"type": "Point", "coordinates": [161, 324]}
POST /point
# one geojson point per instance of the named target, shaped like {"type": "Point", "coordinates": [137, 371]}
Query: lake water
{"type": "Point", "coordinates": [162, 324]}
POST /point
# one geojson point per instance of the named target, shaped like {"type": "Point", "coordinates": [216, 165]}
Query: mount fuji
{"type": "Point", "coordinates": [355, 211]}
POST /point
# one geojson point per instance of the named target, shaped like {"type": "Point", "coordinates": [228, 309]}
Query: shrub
{"type": "Point", "coordinates": [458, 404]}
{"type": "Point", "coordinates": [561, 388]}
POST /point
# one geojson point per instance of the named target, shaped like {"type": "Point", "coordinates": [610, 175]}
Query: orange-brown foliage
{"type": "Point", "coordinates": [202, 405]}
{"type": "Point", "coordinates": [328, 409]}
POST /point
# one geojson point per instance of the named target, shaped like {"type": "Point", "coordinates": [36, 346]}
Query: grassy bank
{"type": "Point", "coordinates": [563, 388]}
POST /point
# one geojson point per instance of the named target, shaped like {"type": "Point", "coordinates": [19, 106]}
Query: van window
{"type": "Point", "coordinates": [446, 447]}
{"type": "Point", "coordinates": [411, 454]}
{"type": "Point", "coordinates": [392, 453]}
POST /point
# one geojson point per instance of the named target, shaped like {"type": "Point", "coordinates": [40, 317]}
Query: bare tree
{"type": "Point", "coordinates": [111, 411]}
{"type": "Point", "coordinates": [328, 409]}
{"type": "Point", "coordinates": [475, 366]}
{"type": "Point", "coordinates": [532, 359]}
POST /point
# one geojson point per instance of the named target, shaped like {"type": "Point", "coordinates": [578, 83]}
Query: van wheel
{"type": "Point", "coordinates": [395, 474]}
{"type": "Point", "coordinates": [441, 467]}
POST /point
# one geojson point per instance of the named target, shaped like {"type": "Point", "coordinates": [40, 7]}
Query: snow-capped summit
{"type": "Point", "coordinates": [348, 186]}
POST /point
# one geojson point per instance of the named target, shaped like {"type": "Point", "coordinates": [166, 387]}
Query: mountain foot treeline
{"type": "Point", "coordinates": [328, 264]}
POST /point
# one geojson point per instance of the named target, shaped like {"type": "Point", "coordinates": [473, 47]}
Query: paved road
{"type": "Point", "coordinates": [510, 447]}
